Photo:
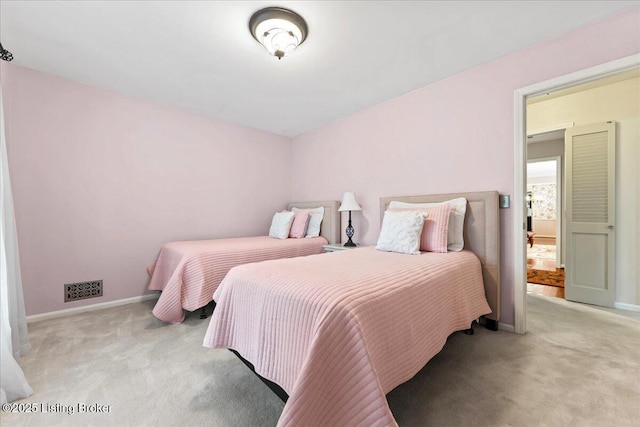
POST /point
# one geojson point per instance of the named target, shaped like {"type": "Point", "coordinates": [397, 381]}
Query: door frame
{"type": "Point", "coordinates": [559, 195]}
{"type": "Point", "coordinates": [520, 161]}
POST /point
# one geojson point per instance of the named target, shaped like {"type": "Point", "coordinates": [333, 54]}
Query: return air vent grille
{"type": "Point", "coordinates": [82, 290]}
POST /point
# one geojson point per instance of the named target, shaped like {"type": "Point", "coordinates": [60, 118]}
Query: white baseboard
{"type": "Point", "coordinates": [85, 308]}
{"type": "Point", "coordinates": [506, 327]}
{"type": "Point", "coordinates": [625, 306]}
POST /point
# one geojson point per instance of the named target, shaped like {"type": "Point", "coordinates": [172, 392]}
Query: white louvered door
{"type": "Point", "coordinates": [590, 214]}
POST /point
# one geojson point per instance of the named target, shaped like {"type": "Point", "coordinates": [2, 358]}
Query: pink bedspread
{"type": "Point", "coordinates": [339, 331]}
{"type": "Point", "coordinates": [188, 273]}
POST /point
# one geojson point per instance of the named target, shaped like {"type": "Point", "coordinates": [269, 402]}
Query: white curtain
{"type": "Point", "coordinates": [14, 341]}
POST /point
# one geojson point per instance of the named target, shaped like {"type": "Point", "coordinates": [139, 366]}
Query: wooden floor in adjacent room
{"type": "Point", "coordinates": [544, 272]}
{"type": "Point", "coordinates": [546, 290]}
{"type": "Point", "coordinates": [543, 278]}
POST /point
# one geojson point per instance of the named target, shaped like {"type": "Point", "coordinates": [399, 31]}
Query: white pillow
{"type": "Point", "coordinates": [401, 232]}
{"type": "Point", "coordinates": [455, 238]}
{"type": "Point", "coordinates": [315, 220]}
{"type": "Point", "coordinates": [281, 224]}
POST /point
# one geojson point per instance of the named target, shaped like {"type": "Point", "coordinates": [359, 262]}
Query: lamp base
{"type": "Point", "coordinates": [349, 231]}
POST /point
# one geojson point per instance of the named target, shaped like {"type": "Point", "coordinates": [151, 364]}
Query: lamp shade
{"type": "Point", "coordinates": [349, 203]}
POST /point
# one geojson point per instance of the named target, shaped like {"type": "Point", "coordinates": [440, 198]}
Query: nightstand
{"type": "Point", "coordinates": [335, 248]}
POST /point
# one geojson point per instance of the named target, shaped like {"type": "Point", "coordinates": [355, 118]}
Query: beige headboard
{"type": "Point", "coordinates": [481, 235]}
{"type": "Point", "coordinates": [330, 227]}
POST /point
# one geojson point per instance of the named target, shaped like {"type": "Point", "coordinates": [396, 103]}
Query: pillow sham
{"type": "Point", "coordinates": [455, 237]}
{"type": "Point", "coordinates": [299, 225]}
{"type": "Point", "coordinates": [436, 226]}
{"type": "Point", "coordinates": [315, 220]}
{"type": "Point", "coordinates": [281, 224]}
{"type": "Point", "coordinates": [400, 232]}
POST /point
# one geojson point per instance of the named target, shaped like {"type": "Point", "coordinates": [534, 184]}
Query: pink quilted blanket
{"type": "Point", "coordinates": [188, 273]}
{"type": "Point", "coordinates": [339, 331]}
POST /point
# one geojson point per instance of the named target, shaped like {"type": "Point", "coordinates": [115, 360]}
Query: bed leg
{"type": "Point", "coordinates": [203, 313]}
{"type": "Point", "coordinates": [491, 324]}
{"type": "Point", "coordinates": [470, 330]}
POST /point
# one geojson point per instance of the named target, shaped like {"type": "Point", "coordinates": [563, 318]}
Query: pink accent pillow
{"type": "Point", "coordinates": [436, 227]}
{"type": "Point", "coordinates": [300, 224]}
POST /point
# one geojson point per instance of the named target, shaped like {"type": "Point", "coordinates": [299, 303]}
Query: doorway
{"type": "Point", "coordinates": [563, 83]}
{"type": "Point", "coordinates": [545, 271]}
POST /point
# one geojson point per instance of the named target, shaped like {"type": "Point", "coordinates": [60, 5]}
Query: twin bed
{"type": "Point", "coordinates": [338, 331]}
{"type": "Point", "coordinates": [189, 272]}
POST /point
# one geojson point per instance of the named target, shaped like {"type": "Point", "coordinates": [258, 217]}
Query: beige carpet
{"type": "Point", "coordinates": [578, 366]}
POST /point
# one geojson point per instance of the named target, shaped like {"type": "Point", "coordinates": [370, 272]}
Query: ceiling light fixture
{"type": "Point", "coordinates": [280, 30]}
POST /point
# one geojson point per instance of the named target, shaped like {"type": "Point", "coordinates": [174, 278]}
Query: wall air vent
{"type": "Point", "coordinates": [82, 290]}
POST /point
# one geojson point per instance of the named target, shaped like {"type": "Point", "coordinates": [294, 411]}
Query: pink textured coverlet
{"type": "Point", "coordinates": [339, 331]}
{"type": "Point", "coordinates": [189, 272]}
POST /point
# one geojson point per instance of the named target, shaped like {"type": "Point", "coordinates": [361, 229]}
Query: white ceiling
{"type": "Point", "coordinates": [201, 57]}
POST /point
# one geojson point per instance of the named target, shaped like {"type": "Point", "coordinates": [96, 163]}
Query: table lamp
{"type": "Point", "coordinates": [349, 203]}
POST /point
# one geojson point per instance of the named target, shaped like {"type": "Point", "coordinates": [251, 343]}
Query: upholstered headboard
{"type": "Point", "coordinates": [330, 227]}
{"type": "Point", "coordinates": [481, 235]}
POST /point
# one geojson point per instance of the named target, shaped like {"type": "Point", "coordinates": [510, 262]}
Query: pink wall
{"type": "Point", "coordinates": [101, 181]}
{"type": "Point", "coordinates": [453, 135]}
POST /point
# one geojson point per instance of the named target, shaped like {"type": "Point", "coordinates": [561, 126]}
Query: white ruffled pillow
{"type": "Point", "coordinates": [401, 232]}
{"type": "Point", "coordinates": [281, 225]}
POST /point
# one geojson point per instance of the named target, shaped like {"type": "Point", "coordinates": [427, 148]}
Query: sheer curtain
{"type": "Point", "coordinates": [14, 341]}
